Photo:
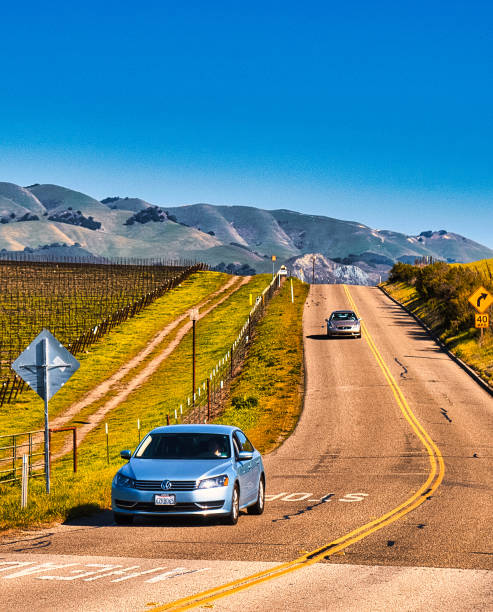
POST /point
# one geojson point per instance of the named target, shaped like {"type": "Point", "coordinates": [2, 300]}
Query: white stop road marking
{"type": "Point", "coordinates": [89, 572]}
{"type": "Point", "coordinates": [303, 495]}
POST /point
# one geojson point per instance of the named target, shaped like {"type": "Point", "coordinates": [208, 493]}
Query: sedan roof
{"type": "Point", "coordinates": [343, 312]}
{"type": "Point", "coordinates": [196, 428]}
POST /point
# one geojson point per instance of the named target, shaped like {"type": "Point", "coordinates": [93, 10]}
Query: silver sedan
{"type": "Point", "coordinates": [344, 323]}
{"type": "Point", "coordinates": [207, 470]}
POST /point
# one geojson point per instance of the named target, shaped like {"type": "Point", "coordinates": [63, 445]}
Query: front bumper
{"type": "Point", "coordinates": [204, 502]}
{"type": "Point", "coordinates": [352, 332]}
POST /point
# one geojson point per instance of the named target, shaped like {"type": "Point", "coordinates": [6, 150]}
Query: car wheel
{"type": "Point", "coordinates": [123, 519]}
{"type": "Point", "coordinates": [258, 506]}
{"type": "Point", "coordinates": [234, 513]}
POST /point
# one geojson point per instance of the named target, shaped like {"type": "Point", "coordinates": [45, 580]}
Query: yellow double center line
{"type": "Point", "coordinates": [437, 470]}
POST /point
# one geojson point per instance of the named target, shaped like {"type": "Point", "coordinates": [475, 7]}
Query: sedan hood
{"type": "Point", "coordinates": [159, 469]}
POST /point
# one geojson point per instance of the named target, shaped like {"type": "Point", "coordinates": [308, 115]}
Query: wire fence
{"type": "Point", "coordinates": [13, 447]}
{"type": "Point", "coordinates": [205, 405]}
{"type": "Point", "coordinates": [31, 444]}
{"type": "Point", "coordinates": [212, 393]}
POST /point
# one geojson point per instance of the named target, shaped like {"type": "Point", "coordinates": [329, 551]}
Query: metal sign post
{"type": "Point", "coordinates": [481, 300]}
{"type": "Point", "coordinates": [45, 366]}
{"type": "Point", "coordinates": [482, 322]}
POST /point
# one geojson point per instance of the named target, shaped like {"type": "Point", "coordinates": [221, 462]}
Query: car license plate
{"type": "Point", "coordinates": [164, 500]}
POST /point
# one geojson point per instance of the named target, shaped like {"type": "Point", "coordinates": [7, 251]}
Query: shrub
{"type": "Point", "coordinates": [445, 288]}
{"type": "Point", "coordinates": [402, 272]}
{"type": "Point", "coordinates": [244, 402]}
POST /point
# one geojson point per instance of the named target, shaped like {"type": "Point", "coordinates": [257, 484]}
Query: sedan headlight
{"type": "Point", "coordinates": [124, 481]}
{"type": "Point", "coordinates": [218, 481]}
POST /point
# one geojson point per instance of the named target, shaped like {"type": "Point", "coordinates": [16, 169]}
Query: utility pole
{"type": "Point", "coordinates": [194, 315]}
{"type": "Point", "coordinates": [313, 271]}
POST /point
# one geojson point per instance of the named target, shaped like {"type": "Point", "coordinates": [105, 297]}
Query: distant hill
{"type": "Point", "coordinates": [21, 198]}
{"type": "Point", "coordinates": [60, 211]}
{"type": "Point", "coordinates": [287, 234]}
{"type": "Point", "coordinates": [55, 251]}
{"type": "Point", "coordinates": [38, 215]}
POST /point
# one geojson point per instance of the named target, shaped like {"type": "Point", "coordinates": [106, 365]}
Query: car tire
{"type": "Point", "coordinates": [234, 513]}
{"type": "Point", "coordinates": [258, 506]}
{"type": "Point", "coordinates": [123, 519]}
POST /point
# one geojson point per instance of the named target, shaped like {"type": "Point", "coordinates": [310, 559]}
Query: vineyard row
{"type": "Point", "coordinates": [78, 302]}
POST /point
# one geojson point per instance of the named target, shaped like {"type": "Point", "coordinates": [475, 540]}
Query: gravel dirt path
{"type": "Point", "coordinates": [131, 385]}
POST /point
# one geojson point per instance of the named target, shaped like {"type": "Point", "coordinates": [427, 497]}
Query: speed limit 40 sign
{"type": "Point", "coordinates": [482, 320]}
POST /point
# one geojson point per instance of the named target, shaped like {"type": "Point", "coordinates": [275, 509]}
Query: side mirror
{"type": "Point", "coordinates": [125, 454]}
{"type": "Point", "coordinates": [245, 456]}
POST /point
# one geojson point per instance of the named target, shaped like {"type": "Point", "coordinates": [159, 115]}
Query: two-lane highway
{"type": "Point", "coordinates": [383, 495]}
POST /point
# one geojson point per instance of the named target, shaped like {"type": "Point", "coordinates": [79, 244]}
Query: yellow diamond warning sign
{"type": "Point", "coordinates": [481, 299]}
{"type": "Point", "coordinates": [481, 321]}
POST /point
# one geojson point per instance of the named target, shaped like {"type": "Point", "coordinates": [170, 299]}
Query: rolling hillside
{"type": "Point", "coordinates": [287, 234]}
{"type": "Point", "coordinates": [38, 215]}
{"type": "Point", "coordinates": [167, 239]}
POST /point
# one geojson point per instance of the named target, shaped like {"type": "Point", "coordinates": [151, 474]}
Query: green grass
{"type": "Point", "coordinates": [171, 383]}
{"type": "Point", "coordinates": [465, 344]}
{"type": "Point", "coordinates": [483, 266]}
{"type": "Point", "coordinates": [71, 495]}
{"type": "Point", "coordinates": [163, 391]}
{"type": "Point", "coordinates": [107, 356]}
{"type": "Point", "coordinates": [266, 398]}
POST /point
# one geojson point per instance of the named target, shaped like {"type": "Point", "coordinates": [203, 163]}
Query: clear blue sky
{"type": "Point", "coordinates": [379, 112]}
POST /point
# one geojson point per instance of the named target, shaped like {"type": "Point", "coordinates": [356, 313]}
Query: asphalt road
{"type": "Point", "coordinates": [353, 459]}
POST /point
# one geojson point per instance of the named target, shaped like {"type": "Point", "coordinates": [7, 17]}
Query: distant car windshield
{"type": "Point", "coordinates": [343, 316]}
{"type": "Point", "coordinates": [184, 446]}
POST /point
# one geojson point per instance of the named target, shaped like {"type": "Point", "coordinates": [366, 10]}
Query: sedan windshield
{"type": "Point", "coordinates": [184, 446]}
{"type": "Point", "coordinates": [343, 316]}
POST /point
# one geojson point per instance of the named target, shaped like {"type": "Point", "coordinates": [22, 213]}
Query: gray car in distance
{"type": "Point", "coordinates": [195, 470]}
{"type": "Point", "coordinates": [343, 323]}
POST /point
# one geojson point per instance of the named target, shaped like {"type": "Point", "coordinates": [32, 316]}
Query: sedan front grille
{"type": "Point", "coordinates": [155, 485]}
{"type": "Point", "coordinates": [181, 507]}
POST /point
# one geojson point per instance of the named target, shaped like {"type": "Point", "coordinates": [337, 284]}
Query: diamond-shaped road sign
{"type": "Point", "coordinates": [45, 365]}
{"type": "Point", "coordinates": [481, 299]}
